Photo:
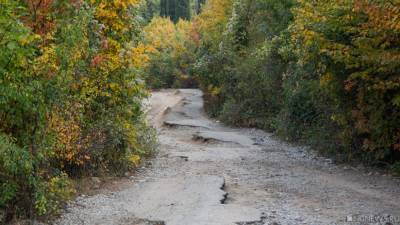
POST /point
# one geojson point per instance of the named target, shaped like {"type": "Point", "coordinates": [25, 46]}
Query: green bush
{"type": "Point", "coordinates": [256, 95]}
{"type": "Point", "coordinates": [332, 82]}
{"type": "Point", "coordinates": [70, 102]}
{"type": "Point", "coordinates": [350, 55]}
{"type": "Point", "coordinates": [243, 79]}
{"type": "Point", "coordinates": [25, 185]}
{"type": "Point", "coordinates": [16, 177]}
{"type": "Point", "coordinates": [170, 61]}
{"type": "Point", "coordinates": [161, 71]}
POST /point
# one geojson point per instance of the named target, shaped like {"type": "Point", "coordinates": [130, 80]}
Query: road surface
{"type": "Point", "coordinates": [209, 174]}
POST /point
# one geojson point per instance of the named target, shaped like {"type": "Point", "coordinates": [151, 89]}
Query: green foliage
{"type": "Point", "coordinates": [15, 174]}
{"type": "Point", "coordinates": [350, 54]}
{"type": "Point", "coordinates": [248, 71]}
{"type": "Point", "coordinates": [161, 71]}
{"type": "Point", "coordinates": [21, 99]}
{"type": "Point", "coordinates": [149, 9]}
{"type": "Point", "coordinates": [256, 92]}
{"type": "Point", "coordinates": [170, 54]}
{"type": "Point", "coordinates": [73, 73]}
{"type": "Point", "coordinates": [23, 183]}
{"type": "Point", "coordinates": [71, 98]}
{"type": "Point", "coordinates": [324, 72]}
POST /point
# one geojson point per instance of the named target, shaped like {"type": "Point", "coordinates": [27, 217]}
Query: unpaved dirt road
{"type": "Point", "coordinates": [209, 174]}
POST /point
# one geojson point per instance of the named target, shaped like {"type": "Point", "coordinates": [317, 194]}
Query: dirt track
{"type": "Point", "coordinates": [210, 174]}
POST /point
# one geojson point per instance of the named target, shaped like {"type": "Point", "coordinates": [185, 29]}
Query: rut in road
{"type": "Point", "coordinates": [210, 174]}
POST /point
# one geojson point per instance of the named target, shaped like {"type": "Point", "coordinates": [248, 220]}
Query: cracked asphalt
{"type": "Point", "coordinates": [209, 174]}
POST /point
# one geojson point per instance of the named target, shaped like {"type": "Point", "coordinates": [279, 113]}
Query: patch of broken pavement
{"type": "Point", "coordinates": [209, 174]}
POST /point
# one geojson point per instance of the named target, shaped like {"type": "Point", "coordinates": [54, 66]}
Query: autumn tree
{"type": "Point", "coordinates": [322, 72]}
{"type": "Point", "coordinates": [72, 102]}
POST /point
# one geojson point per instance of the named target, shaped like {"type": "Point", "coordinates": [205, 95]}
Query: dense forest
{"type": "Point", "coordinates": [74, 74]}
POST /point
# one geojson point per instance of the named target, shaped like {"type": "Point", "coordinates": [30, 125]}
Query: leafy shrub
{"type": "Point", "coordinates": [171, 53]}
{"type": "Point", "coordinates": [161, 71]}
{"type": "Point", "coordinates": [51, 194]}
{"type": "Point", "coordinates": [71, 101]}
{"type": "Point", "coordinates": [355, 57]}
{"type": "Point", "coordinates": [257, 93]}
{"type": "Point", "coordinates": [24, 185]}
{"type": "Point", "coordinates": [246, 67]}
{"type": "Point", "coordinates": [16, 175]}
{"type": "Point", "coordinates": [325, 73]}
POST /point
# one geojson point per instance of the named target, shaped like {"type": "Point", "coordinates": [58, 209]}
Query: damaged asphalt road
{"type": "Point", "coordinates": [209, 174]}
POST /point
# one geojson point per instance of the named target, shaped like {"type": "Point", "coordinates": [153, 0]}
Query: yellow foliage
{"type": "Point", "coordinates": [326, 79]}
{"type": "Point", "coordinates": [211, 23]}
{"type": "Point", "coordinates": [46, 64]}
{"type": "Point", "coordinates": [135, 160]}
{"type": "Point", "coordinates": [69, 146]}
{"type": "Point", "coordinates": [139, 56]}
{"type": "Point", "coordinates": [114, 14]}
{"type": "Point", "coordinates": [215, 91]}
{"type": "Point", "coordinates": [160, 34]}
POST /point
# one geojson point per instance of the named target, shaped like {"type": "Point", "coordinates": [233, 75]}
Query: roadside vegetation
{"type": "Point", "coordinates": [74, 73]}
{"type": "Point", "coordinates": [324, 73]}
{"type": "Point", "coordinates": [70, 99]}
